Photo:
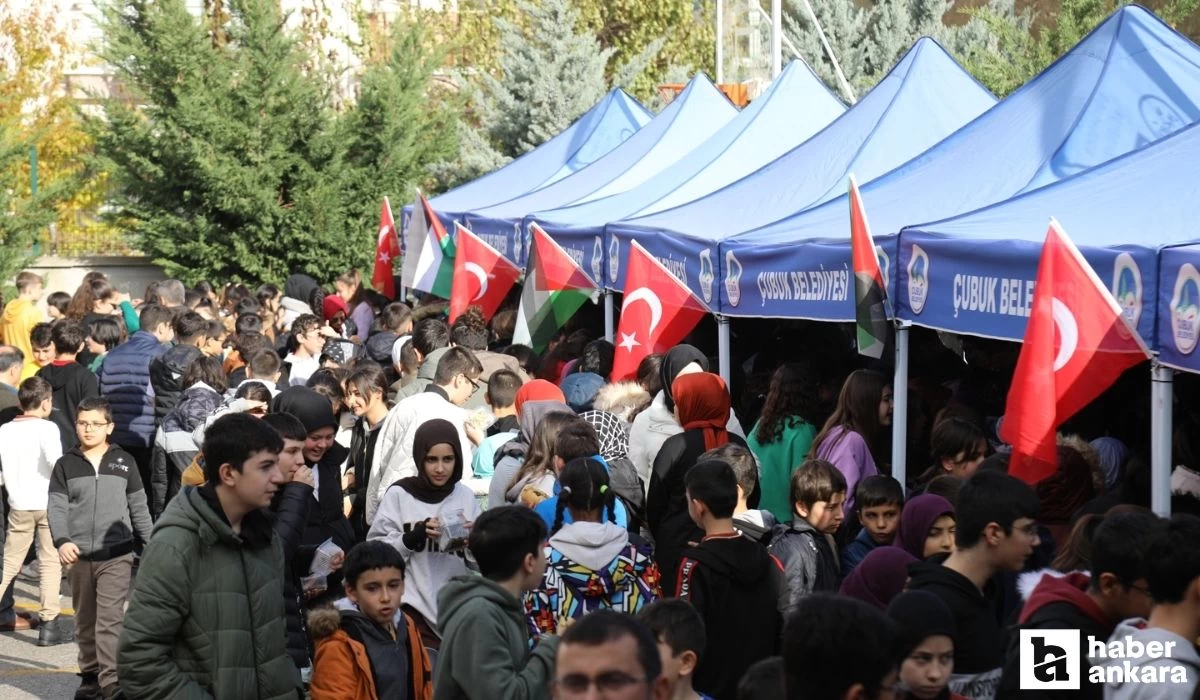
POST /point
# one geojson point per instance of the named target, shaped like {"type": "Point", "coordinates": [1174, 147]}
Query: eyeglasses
{"type": "Point", "coordinates": [92, 426]}
{"type": "Point", "coordinates": [474, 383]}
{"type": "Point", "coordinates": [1144, 590]}
{"type": "Point", "coordinates": [611, 682]}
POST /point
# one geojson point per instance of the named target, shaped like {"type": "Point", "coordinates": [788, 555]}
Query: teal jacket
{"type": "Point", "coordinates": [777, 461]}
{"type": "Point", "coordinates": [206, 617]}
{"type": "Point", "coordinates": [485, 651]}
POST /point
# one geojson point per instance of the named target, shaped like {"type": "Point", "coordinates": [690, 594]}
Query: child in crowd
{"type": "Point", "coordinates": [96, 506]}
{"type": "Point", "coordinates": [21, 315]}
{"type": "Point", "coordinates": [367, 648]}
{"type": "Point", "coordinates": [878, 500]}
{"type": "Point", "coordinates": [732, 582]}
{"type": "Point", "coordinates": [996, 532]}
{"type": "Point", "coordinates": [29, 449]}
{"type": "Point", "coordinates": [56, 305]}
{"type": "Point", "coordinates": [679, 630]}
{"type": "Point", "coordinates": [927, 526]}
{"type": "Point", "coordinates": [41, 342]}
{"type": "Point", "coordinates": [594, 564]}
{"type": "Point", "coordinates": [577, 439]}
{"type": "Point", "coordinates": [804, 546]}
{"type": "Point", "coordinates": [366, 398]}
{"type": "Point", "coordinates": [755, 524]}
{"type": "Point", "coordinates": [501, 397]}
{"type": "Point", "coordinates": [763, 681]}
{"type": "Point", "coordinates": [879, 577]}
{"type": "Point", "coordinates": [308, 340]}
{"type": "Point", "coordinates": [411, 517]}
{"type": "Point", "coordinates": [926, 632]}
{"type": "Point", "coordinates": [485, 652]}
{"type": "Point", "coordinates": [835, 648]}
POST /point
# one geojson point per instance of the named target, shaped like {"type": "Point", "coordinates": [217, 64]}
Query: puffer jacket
{"type": "Point", "coordinates": [174, 446]}
{"type": "Point", "coordinates": [592, 566]}
{"type": "Point", "coordinates": [291, 506]}
{"type": "Point", "coordinates": [125, 382]}
{"type": "Point", "coordinates": [808, 559]}
{"type": "Point", "coordinates": [352, 650]}
{"type": "Point", "coordinates": [166, 371]}
{"type": "Point", "coordinates": [205, 618]}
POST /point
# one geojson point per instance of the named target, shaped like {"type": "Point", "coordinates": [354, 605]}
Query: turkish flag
{"type": "Point", "coordinates": [1077, 343]}
{"type": "Point", "coordinates": [482, 276]}
{"type": "Point", "coordinates": [658, 312]}
{"type": "Point", "coordinates": [387, 248]}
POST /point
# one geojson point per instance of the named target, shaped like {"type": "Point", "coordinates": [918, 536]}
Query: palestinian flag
{"type": "Point", "coordinates": [555, 288]}
{"type": "Point", "coordinates": [429, 252]}
{"type": "Point", "coordinates": [869, 293]}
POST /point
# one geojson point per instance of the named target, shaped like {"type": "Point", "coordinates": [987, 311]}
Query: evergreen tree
{"type": "Point", "coordinates": [25, 216]}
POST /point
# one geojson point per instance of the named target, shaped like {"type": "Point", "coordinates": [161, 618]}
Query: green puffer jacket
{"type": "Point", "coordinates": [206, 615]}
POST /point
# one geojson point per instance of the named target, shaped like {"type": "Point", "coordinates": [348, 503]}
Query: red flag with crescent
{"type": "Point", "coordinates": [658, 312]}
{"type": "Point", "coordinates": [1077, 343]}
{"type": "Point", "coordinates": [387, 249]}
{"type": "Point", "coordinates": [482, 276]}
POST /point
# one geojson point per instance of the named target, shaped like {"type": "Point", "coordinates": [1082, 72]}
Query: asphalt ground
{"type": "Point", "coordinates": [29, 672]}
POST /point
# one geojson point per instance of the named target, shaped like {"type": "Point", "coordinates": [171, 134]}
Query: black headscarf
{"type": "Point", "coordinates": [673, 363]}
{"type": "Point", "coordinates": [303, 288]}
{"type": "Point", "coordinates": [433, 432]}
{"type": "Point", "coordinates": [312, 409]}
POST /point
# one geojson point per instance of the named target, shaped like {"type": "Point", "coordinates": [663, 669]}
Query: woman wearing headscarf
{"type": "Point", "coordinates": [927, 526]}
{"type": "Point", "coordinates": [301, 295]}
{"type": "Point", "coordinates": [623, 479]}
{"type": "Point", "coordinates": [879, 577]}
{"type": "Point", "coordinates": [701, 402]}
{"type": "Point", "coordinates": [412, 515]}
{"type": "Point", "coordinates": [653, 426]}
{"type": "Point", "coordinates": [534, 401]}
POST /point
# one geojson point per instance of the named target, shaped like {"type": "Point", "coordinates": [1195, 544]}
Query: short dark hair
{"type": "Point", "coordinates": [10, 355]}
{"type": "Point", "coordinates": [304, 323]}
{"type": "Point", "coordinates": [741, 459]}
{"type": "Point", "coordinates": [248, 323]}
{"type": "Point", "coordinates": [41, 335]}
{"type": "Point", "coordinates": [991, 497]}
{"type": "Point", "coordinates": [764, 680]}
{"type": "Point", "coordinates": [368, 377]}
{"type": "Point", "coordinates": [713, 484]}
{"type": "Point", "coordinates": [597, 357]}
{"type": "Point", "coordinates": [59, 300]}
{"type": "Point", "coordinates": [394, 316]}
{"type": "Point", "coordinates": [97, 404]}
{"type": "Point", "coordinates": [250, 342]}
{"type": "Point", "coordinates": [214, 329]}
{"type": "Point", "coordinates": [289, 426]}
{"type": "Point", "coordinates": [327, 382]}
{"type": "Point", "coordinates": [576, 439]}
{"type": "Point", "coordinates": [266, 292]}
{"type": "Point", "coordinates": [107, 331]}
{"type": "Point", "coordinates": [254, 391]}
{"type": "Point", "coordinates": [878, 490]}
{"type": "Point", "coordinates": [603, 626]}
{"type": "Point", "coordinates": [1119, 546]}
{"type": "Point", "coordinates": [526, 357]}
{"type": "Point", "coordinates": [953, 436]}
{"type": "Point", "coordinates": [263, 364]}
{"type": "Point", "coordinates": [1173, 558]}
{"type": "Point", "coordinates": [189, 326]}
{"type": "Point", "coordinates": [816, 480]}
{"type": "Point", "coordinates": [501, 538]}
{"type": "Point", "coordinates": [947, 486]}
{"type": "Point", "coordinates": [153, 316]}
{"type": "Point", "coordinates": [676, 623]}
{"type": "Point", "coordinates": [430, 334]}
{"type": "Point", "coordinates": [369, 556]}
{"type": "Point", "coordinates": [502, 388]}
{"type": "Point", "coordinates": [67, 336]}
{"type": "Point", "coordinates": [205, 369]}
{"type": "Point", "coordinates": [833, 642]}
{"type": "Point", "coordinates": [247, 305]}
{"type": "Point", "coordinates": [234, 438]}
{"type": "Point", "coordinates": [171, 290]}
{"type": "Point", "coordinates": [456, 361]}
{"type": "Point", "coordinates": [33, 392]}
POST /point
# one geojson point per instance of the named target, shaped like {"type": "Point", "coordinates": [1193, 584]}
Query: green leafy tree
{"type": "Point", "coordinates": [24, 216]}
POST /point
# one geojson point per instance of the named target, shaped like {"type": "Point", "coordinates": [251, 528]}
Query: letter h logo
{"type": "Point", "coordinates": [1050, 660]}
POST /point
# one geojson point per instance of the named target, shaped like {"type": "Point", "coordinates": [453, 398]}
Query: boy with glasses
{"type": "Point", "coordinates": [96, 505]}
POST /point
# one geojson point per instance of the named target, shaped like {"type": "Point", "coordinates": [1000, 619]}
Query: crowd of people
{"type": "Point", "coordinates": [280, 493]}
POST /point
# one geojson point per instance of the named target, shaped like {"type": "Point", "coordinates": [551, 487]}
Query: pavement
{"type": "Point", "coordinates": [30, 672]}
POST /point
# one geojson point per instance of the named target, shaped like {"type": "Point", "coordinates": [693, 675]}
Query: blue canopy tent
{"type": "Point", "coordinates": [923, 99]}
{"type": "Point", "coordinates": [975, 273]}
{"type": "Point", "coordinates": [602, 128]}
{"type": "Point", "coordinates": [795, 106]}
{"type": "Point", "coordinates": [699, 111]}
{"type": "Point", "coordinates": [1130, 82]}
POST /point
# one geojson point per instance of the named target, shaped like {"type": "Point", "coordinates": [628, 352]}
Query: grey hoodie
{"type": "Point", "coordinates": [485, 645]}
{"type": "Point", "coordinates": [593, 545]}
{"type": "Point", "coordinates": [1182, 655]}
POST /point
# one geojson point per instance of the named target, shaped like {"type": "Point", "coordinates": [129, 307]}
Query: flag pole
{"type": "Point", "coordinates": [610, 325]}
{"type": "Point", "coordinates": [900, 406]}
{"type": "Point", "coordinates": [1162, 392]}
{"type": "Point", "coordinates": [723, 347]}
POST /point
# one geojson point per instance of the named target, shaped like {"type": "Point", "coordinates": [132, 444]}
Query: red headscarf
{"type": "Point", "coordinates": [334, 304]}
{"type": "Point", "coordinates": [702, 402]}
{"type": "Point", "coordinates": [538, 390]}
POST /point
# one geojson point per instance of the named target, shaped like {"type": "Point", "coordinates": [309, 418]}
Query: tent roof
{"type": "Point", "coordinates": [602, 128]}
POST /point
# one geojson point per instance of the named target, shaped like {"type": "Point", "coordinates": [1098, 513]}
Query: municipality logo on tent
{"type": "Point", "coordinates": [706, 275]}
{"type": "Point", "coordinates": [597, 259]}
{"type": "Point", "coordinates": [885, 267]}
{"type": "Point", "coordinates": [733, 278]}
{"type": "Point", "coordinates": [918, 279]}
{"type": "Point", "coordinates": [1127, 288]}
{"type": "Point", "coordinates": [614, 260]}
{"type": "Point", "coordinates": [1185, 309]}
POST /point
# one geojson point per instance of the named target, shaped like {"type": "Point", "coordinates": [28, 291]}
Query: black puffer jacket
{"type": "Point", "coordinates": [174, 447]}
{"type": "Point", "coordinates": [291, 508]}
{"type": "Point", "coordinates": [166, 371]}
